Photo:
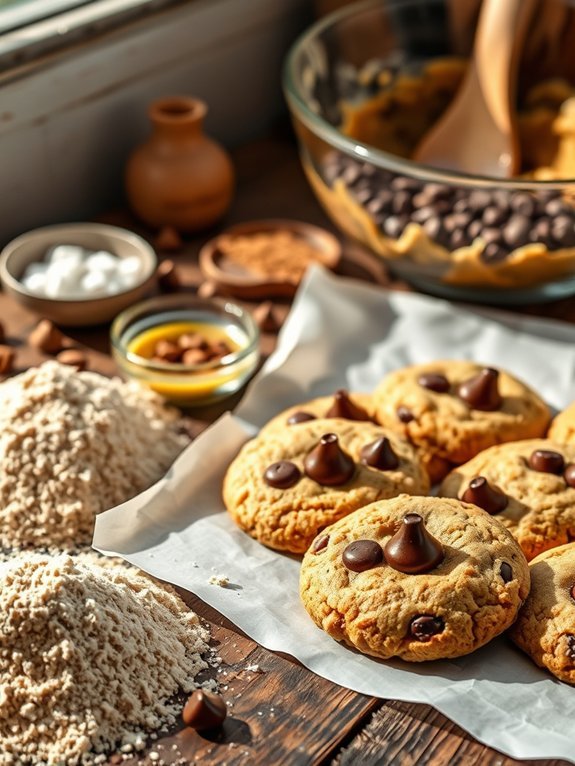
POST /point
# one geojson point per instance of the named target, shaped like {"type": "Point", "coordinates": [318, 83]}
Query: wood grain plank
{"type": "Point", "coordinates": [407, 734]}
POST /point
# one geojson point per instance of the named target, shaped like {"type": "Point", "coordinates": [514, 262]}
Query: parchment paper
{"type": "Point", "coordinates": [342, 333]}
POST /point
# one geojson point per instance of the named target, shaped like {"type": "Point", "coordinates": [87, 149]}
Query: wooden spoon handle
{"type": "Point", "coordinates": [501, 32]}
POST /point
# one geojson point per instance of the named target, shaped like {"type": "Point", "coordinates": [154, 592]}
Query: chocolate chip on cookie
{"type": "Point", "coordinates": [320, 543]}
{"type": "Point", "coordinates": [506, 572]}
{"type": "Point", "coordinates": [328, 464]}
{"type": "Point", "coordinates": [379, 454]}
{"type": "Point", "coordinates": [546, 461]}
{"type": "Point", "coordinates": [412, 549]}
{"type": "Point", "coordinates": [362, 555]}
{"type": "Point", "coordinates": [481, 493]}
{"type": "Point", "coordinates": [282, 475]}
{"type": "Point", "coordinates": [481, 391]}
{"type": "Point", "coordinates": [434, 381]}
{"type": "Point", "coordinates": [299, 417]}
{"type": "Point", "coordinates": [425, 626]}
{"type": "Point", "coordinates": [343, 407]}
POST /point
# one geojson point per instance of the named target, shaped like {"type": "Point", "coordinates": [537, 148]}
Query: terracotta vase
{"type": "Point", "coordinates": [179, 177]}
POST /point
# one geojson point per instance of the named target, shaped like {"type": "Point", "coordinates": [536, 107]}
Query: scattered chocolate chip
{"type": "Point", "coordinates": [412, 549]}
{"type": "Point", "coordinates": [47, 337]}
{"type": "Point", "coordinates": [343, 407]}
{"type": "Point", "coordinates": [546, 461]}
{"type": "Point", "coordinates": [405, 414]}
{"type": "Point", "coordinates": [282, 475]}
{"type": "Point", "coordinates": [480, 492]}
{"type": "Point", "coordinates": [393, 226]}
{"type": "Point", "coordinates": [569, 475]}
{"type": "Point", "coordinates": [523, 203]}
{"type": "Point", "coordinates": [506, 572]}
{"type": "Point", "coordinates": [493, 216]}
{"type": "Point", "coordinates": [570, 646]}
{"type": "Point", "coordinates": [74, 358]}
{"type": "Point", "coordinates": [320, 543]}
{"type": "Point", "coordinates": [266, 318]}
{"type": "Point", "coordinates": [434, 381]}
{"type": "Point", "coordinates": [204, 710]}
{"type": "Point", "coordinates": [474, 229]}
{"type": "Point", "coordinates": [516, 231]}
{"type": "Point", "coordinates": [362, 554]}
{"type": "Point", "coordinates": [300, 417]}
{"type": "Point", "coordinates": [425, 626]}
{"type": "Point", "coordinates": [168, 277]}
{"type": "Point", "coordinates": [168, 239]}
{"type": "Point", "coordinates": [379, 454]}
{"type": "Point", "coordinates": [481, 391]}
{"type": "Point", "coordinates": [328, 464]}
{"type": "Point", "coordinates": [7, 355]}
{"type": "Point", "coordinates": [563, 230]}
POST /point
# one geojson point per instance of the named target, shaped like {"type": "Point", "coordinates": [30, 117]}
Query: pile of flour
{"type": "Point", "coordinates": [73, 444]}
{"type": "Point", "coordinates": [89, 658]}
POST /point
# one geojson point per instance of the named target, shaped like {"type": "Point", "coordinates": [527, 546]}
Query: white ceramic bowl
{"type": "Point", "coordinates": [76, 312]}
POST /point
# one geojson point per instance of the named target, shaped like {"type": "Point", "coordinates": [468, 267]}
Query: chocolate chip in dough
{"type": "Point", "coordinates": [320, 543]}
{"type": "Point", "coordinates": [425, 626]}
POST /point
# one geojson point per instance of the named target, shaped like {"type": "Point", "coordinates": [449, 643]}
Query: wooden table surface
{"type": "Point", "coordinates": [282, 713]}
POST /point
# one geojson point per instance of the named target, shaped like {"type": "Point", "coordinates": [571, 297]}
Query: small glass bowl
{"type": "Point", "coordinates": [183, 384]}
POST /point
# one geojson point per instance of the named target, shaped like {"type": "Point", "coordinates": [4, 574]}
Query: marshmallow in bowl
{"type": "Point", "coordinates": [70, 271]}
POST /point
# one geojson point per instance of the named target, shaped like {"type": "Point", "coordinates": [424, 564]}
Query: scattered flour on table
{"type": "Point", "coordinates": [89, 659]}
{"type": "Point", "coordinates": [73, 444]}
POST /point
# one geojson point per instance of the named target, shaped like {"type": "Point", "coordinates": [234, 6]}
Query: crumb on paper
{"type": "Point", "coordinates": [219, 579]}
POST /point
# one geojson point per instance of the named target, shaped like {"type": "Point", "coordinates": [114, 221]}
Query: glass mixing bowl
{"type": "Point", "coordinates": [365, 83]}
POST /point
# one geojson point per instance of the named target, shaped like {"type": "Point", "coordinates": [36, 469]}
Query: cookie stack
{"type": "Point", "coordinates": [394, 572]}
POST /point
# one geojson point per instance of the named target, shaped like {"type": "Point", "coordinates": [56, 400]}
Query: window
{"type": "Point", "coordinates": [30, 28]}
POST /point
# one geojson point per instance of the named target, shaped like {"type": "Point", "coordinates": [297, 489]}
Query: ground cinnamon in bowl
{"type": "Point", "coordinates": [263, 258]}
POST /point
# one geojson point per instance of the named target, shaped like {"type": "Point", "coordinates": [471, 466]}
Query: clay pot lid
{"type": "Point", "coordinates": [219, 266]}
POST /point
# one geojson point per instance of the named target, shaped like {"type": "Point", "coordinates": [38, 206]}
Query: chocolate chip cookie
{"type": "Point", "coordinates": [420, 578]}
{"type": "Point", "coordinates": [562, 428]}
{"type": "Point", "coordinates": [342, 404]}
{"type": "Point", "coordinates": [451, 410]}
{"type": "Point", "coordinates": [288, 484]}
{"type": "Point", "coordinates": [545, 627]}
{"type": "Point", "coordinates": [529, 485]}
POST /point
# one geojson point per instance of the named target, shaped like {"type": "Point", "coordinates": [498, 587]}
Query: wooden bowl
{"type": "Point", "coordinates": [76, 312]}
{"type": "Point", "coordinates": [240, 280]}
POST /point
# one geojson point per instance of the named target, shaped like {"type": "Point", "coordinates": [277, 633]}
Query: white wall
{"type": "Point", "coordinates": [67, 127]}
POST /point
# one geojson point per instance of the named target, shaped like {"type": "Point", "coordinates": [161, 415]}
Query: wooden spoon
{"type": "Point", "coordinates": [477, 133]}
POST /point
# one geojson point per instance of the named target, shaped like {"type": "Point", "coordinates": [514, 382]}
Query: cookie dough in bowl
{"type": "Point", "coordinates": [545, 627]}
{"type": "Point", "coordinates": [528, 485]}
{"type": "Point", "coordinates": [452, 409]}
{"type": "Point", "coordinates": [420, 578]}
{"type": "Point", "coordinates": [286, 485]}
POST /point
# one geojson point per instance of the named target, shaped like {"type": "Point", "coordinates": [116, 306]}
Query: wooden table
{"type": "Point", "coordinates": [282, 713]}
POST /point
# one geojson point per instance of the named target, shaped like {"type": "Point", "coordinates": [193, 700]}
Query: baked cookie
{"type": "Point", "coordinates": [288, 484]}
{"type": "Point", "coordinates": [421, 578]}
{"type": "Point", "coordinates": [529, 485]}
{"type": "Point", "coordinates": [562, 428]}
{"type": "Point", "coordinates": [451, 410]}
{"type": "Point", "coordinates": [545, 627]}
{"type": "Point", "coordinates": [342, 404]}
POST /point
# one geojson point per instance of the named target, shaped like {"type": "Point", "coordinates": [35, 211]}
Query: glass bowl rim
{"type": "Point", "coordinates": [365, 152]}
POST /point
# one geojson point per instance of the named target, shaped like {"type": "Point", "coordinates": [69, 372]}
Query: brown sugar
{"type": "Point", "coordinates": [280, 254]}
